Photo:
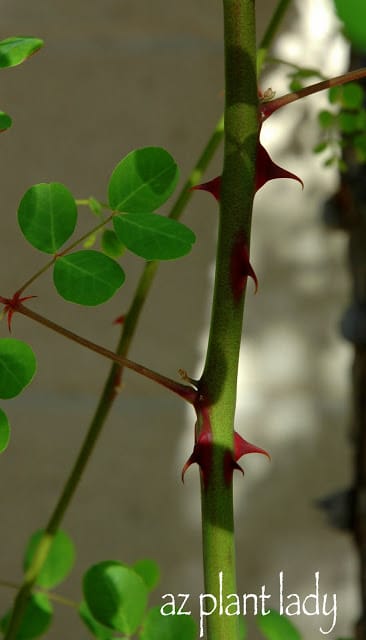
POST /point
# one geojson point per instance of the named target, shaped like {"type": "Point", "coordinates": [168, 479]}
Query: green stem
{"type": "Point", "coordinates": [70, 247]}
{"type": "Point", "coordinates": [56, 597]}
{"type": "Point", "coordinates": [180, 389]}
{"type": "Point", "coordinates": [271, 31]}
{"type": "Point", "coordinates": [219, 379]}
{"type": "Point", "coordinates": [110, 390]}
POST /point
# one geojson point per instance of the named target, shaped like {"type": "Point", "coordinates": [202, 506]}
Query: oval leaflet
{"type": "Point", "coordinates": [47, 216]}
{"type": "Point", "coordinates": [17, 366]}
{"type": "Point", "coordinates": [143, 180]}
{"type": "Point", "coordinates": [87, 277]}
{"type": "Point", "coordinates": [152, 236]}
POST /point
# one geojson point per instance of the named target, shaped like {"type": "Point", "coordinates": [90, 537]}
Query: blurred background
{"type": "Point", "coordinates": [113, 76]}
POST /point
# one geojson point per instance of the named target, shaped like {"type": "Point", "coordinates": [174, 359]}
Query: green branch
{"type": "Point", "coordinates": [270, 33]}
{"type": "Point", "coordinates": [219, 379]}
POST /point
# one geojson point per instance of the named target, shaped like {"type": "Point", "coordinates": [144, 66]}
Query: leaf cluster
{"type": "Point", "coordinates": [343, 125]}
{"type": "Point", "coordinates": [115, 597]}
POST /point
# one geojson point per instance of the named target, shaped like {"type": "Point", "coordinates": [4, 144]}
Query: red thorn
{"type": "Point", "coordinates": [11, 305]}
{"type": "Point", "coordinates": [213, 186]}
{"type": "Point", "coordinates": [120, 320]}
{"type": "Point", "coordinates": [202, 454]}
{"type": "Point", "coordinates": [267, 170]}
{"type": "Point", "coordinates": [202, 451]}
{"type": "Point", "coordinates": [242, 447]}
{"type": "Point", "coordinates": [241, 268]}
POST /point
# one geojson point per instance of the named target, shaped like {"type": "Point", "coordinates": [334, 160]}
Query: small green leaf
{"type": "Point", "coordinates": [5, 121]}
{"type": "Point", "coordinates": [149, 572]}
{"type": "Point", "coordinates": [353, 95]}
{"type": "Point", "coordinates": [142, 181]}
{"type": "Point", "coordinates": [111, 244]}
{"type": "Point", "coordinates": [353, 15]}
{"type": "Point", "coordinates": [326, 119]}
{"type": "Point", "coordinates": [98, 630]}
{"type": "Point", "coordinates": [17, 366]}
{"type": "Point", "coordinates": [59, 561]}
{"type": "Point", "coordinates": [95, 206]}
{"type": "Point", "coordinates": [362, 120]}
{"type": "Point", "coordinates": [4, 431]}
{"type": "Point", "coordinates": [277, 627]}
{"type": "Point", "coordinates": [359, 142]}
{"type": "Point", "coordinates": [321, 146]}
{"type": "Point", "coordinates": [47, 216]}
{"type": "Point", "coordinates": [295, 85]}
{"type": "Point", "coordinates": [332, 160]}
{"type": "Point", "coordinates": [152, 236]}
{"type": "Point", "coordinates": [87, 277]}
{"type": "Point", "coordinates": [159, 627]}
{"type": "Point", "coordinates": [15, 50]}
{"type": "Point", "coordinates": [90, 241]}
{"type": "Point", "coordinates": [335, 95]}
{"type": "Point", "coordinates": [348, 122]}
{"type": "Point", "coordinates": [115, 595]}
{"type": "Point", "coordinates": [36, 618]}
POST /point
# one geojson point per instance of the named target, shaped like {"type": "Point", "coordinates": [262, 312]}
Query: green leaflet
{"type": "Point", "coordinates": [87, 277]}
{"type": "Point", "coordinates": [115, 595]}
{"type": "Point", "coordinates": [15, 50]}
{"type": "Point", "coordinates": [159, 627]}
{"type": "Point", "coordinates": [276, 627]}
{"type": "Point", "coordinates": [59, 561]}
{"type": "Point", "coordinates": [4, 431]}
{"type": "Point", "coordinates": [152, 236]}
{"type": "Point", "coordinates": [353, 15]}
{"type": "Point", "coordinates": [143, 180]}
{"type": "Point", "coordinates": [47, 216]}
{"type": "Point", "coordinates": [5, 121]}
{"type": "Point", "coordinates": [17, 366]}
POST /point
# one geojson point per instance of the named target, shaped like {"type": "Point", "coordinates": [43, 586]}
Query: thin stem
{"type": "Point", "coordinates": [293, 65]}
{"type": "Point", "coordinates": [271, 31]}
{"type": "Point", "coordinates": [62, 253]}
{"type": "Point", "coordinates": [181, 389]}
{"type": "Point", "coordinates": [56, 597]}
{"type": "Point", "coordinates": [269, 107]}
{"type": "Point", "coordinates": [219, 379]}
